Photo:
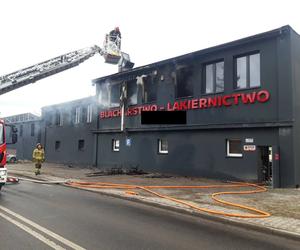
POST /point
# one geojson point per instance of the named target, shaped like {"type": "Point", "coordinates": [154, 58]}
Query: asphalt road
{"type": "Point", "coordinates": [38, 216]}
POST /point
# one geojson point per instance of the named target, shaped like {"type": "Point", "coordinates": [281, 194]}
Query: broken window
{"type": "Point", "coordinates": [247, 71]}
{"type": "Point", "coordinates": [103, 96]}
{"type": "Point", "coordinates": [214, 78]}
{"type": "Point", "coordinates": [131, 92]}
{"type": "Point", "coordinates": [114, 95]}
{"type": "Point", "coordinates": [150, 89]}
{"type": "Point", "coordinates": [183, 82]}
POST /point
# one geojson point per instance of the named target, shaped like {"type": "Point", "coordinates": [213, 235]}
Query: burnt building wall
{"type": "Point", "coordinates": [256, 103]}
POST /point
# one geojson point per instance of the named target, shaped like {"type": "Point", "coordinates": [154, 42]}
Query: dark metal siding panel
{"type": "Point", "coordinates": [69, 134]}
{"type": "Point", "coordinates": [295, 54]}
{"type": "Point", "coordinates": [26, 143]}
{"type": "Point", "coordinates": [68, 152]}
{"type": "Point", "coordinates": [191, 153]}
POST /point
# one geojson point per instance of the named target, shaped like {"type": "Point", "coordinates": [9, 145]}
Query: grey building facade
{"type": "Point", "coordinates": [29, 128]}
{"type": "Point", "coordinates": [242, 108]}
{"type": "Point", "coordinates": [67, 133]}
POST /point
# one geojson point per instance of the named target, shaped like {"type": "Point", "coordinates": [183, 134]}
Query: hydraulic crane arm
{"type": "Point", "coordinates": [47, 68]}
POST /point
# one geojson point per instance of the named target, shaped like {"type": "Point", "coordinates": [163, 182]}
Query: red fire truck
{"type": "Point", "coordinates": [3, 143]}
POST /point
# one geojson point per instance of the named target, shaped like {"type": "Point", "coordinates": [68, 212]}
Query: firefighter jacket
{"type": "Point", "coordinates": [38, 155]}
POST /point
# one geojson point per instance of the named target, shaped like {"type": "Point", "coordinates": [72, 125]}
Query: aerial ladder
{"type": "Point", "coordinates": [111, 52]}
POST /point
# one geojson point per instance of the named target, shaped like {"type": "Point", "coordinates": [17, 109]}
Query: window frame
{"type": "Point", "coordinates": [77, 115]}
{"type": "Point", "coordinates": [233, 155]}
{"type": "Point", "coordinates": [248, 82]}
{"type": "Point", "coordinates": [214, 68]}
{"type": "Point", "coordinates": [160, 150]}
{"type": "Point", "coordinates": [115, 147]}
{"type": "Point", "coordinates": [129, 84]}
{"type": "Point", "coordinates": [61, 118]}
{"type": "Point", "coordinates": [89, 112]}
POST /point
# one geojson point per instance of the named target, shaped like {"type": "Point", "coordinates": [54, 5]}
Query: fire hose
{"type": "Point", "coordinates": [256, 213]}
{"type": "Point", "coordinates": [215, 196]}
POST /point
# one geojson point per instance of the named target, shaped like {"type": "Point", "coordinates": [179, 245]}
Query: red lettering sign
{"type": "Point", "coordinates": [261, 96]}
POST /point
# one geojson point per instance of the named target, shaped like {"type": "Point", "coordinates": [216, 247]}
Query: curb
{"type": "Point", "coordinates": [244, 225]}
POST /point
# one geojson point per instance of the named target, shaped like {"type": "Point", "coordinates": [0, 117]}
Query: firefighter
{"type": "Point", "coordinates": [38, 156]}
{"type": "Point", "coordinates": [115, 36]}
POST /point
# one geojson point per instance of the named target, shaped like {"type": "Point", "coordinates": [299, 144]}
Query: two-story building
{"type": "Point", "coordinates": [67, 131]}
{"type": "Point", "coordinates": [242, 105]}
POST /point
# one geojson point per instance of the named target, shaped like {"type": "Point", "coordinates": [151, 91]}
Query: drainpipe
{"type": "Point", "coordinates": [123, 98]}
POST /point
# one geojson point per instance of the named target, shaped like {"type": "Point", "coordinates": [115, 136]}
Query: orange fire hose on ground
{"type": "Point", "coordinates": [215, 196]}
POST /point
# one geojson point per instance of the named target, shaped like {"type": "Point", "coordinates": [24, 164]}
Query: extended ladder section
{"type": "Point", "coordinates": [47, 68]}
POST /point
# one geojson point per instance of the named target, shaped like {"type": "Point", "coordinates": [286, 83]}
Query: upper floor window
{"type": "Point", "coordinates": [149, 89]}
{"type": "Point", "coordinates": [21, 130]}
{"type": "Point", "coordinates": [89, 113]}
{"type": "Point", "coordinates": [77, 115]}
{"type": "Point", "coordinates": [32, 129]}
{"type": "Point", "coordinates": [59, 118]}
{"type": "Point", "coordinates": [114, 95]}
{"type": "Point", "coordinates": [103, 95]}
{"type": "Point", "coordinates": [183, 82]}
{"type": "Point", "coordinates": [132, 92]}
{"type": "Point", "coordinates": [214, 78]}
{"type": "Point", "coordinates": [247, 71]}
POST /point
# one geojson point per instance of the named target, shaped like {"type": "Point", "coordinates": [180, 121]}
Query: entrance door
{"type": "Point", "coordinates": [265, 165]}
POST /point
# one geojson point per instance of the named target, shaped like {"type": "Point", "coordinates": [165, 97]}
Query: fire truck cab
{"type": "Point", "coordinates": [3, 142]}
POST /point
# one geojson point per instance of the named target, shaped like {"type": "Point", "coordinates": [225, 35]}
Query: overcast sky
{"type": "Point", "coordinates": [33, 31]}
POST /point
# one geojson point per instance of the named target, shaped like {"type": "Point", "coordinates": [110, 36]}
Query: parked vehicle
{"type": "Point", "coordinates": [11, 158]}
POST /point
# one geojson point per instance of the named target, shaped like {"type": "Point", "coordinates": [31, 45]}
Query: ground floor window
{"type": "Point", "coordinates": [81, 145]}
{"type": "Point", "coordinates": [162, 146]}
{"type": "Point", "coordinates": [116, 145]}
{"type": "Point", "coordinates": [234, 147]}
{"type": "Point", "coordinates": [57, 145]}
